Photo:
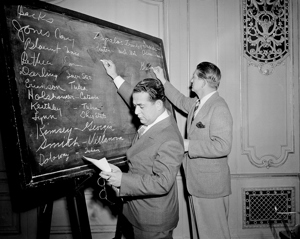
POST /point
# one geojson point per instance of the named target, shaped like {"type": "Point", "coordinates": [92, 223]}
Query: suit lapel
{"type": "Point", "coordinates": [148, 138]}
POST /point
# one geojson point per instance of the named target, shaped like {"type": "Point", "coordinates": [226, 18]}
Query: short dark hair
{"type": "Point", "coordinates": [153, 87]}
{"type": "Point", "coordinates": [210, 72]}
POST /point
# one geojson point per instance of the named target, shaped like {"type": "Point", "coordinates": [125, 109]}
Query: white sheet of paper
{"type": "Point", "coordinates": [100, 163]}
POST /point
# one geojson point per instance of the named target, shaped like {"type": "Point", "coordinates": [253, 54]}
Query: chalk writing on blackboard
{"type": "Point", "coordinates": [68, 105]}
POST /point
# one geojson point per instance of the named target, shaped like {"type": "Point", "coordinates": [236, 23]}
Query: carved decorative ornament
{"type": "Point", "coordinates": [266, 33]}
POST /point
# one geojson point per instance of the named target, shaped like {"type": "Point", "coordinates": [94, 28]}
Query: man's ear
{"type": "Point", "coordinates": [159, 104]}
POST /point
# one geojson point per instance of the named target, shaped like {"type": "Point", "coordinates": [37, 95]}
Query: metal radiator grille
{"type": "Point", "coordinates": [259, 207]}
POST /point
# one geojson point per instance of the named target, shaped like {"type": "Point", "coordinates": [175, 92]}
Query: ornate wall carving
{"type": "Point", "coordinates": [266, 33]}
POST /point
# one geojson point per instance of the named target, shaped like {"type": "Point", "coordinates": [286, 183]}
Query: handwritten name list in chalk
{"type": "Point", "coordinates": [69, 106]}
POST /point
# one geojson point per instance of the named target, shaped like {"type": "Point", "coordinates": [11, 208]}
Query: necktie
{"type": "Point", "coordinates": [195, 110]}
{"type": "Point", "coordinates": [141, 130]}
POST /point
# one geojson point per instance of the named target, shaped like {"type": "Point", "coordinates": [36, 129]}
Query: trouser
{"type": "Point", "coordinates": [209, 217]}
{"type": "Point", "coordinates": [131, 232]}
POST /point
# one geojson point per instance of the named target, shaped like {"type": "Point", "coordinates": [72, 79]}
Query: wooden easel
{"type": "Point", "coordinates": [77, 213]}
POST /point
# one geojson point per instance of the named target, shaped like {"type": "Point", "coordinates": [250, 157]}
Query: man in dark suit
{"type": "Point", "coordinates": [149, 189]}
{"type": "Point", "coordinates": [208, 143]}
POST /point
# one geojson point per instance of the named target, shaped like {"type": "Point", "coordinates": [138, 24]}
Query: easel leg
{"type": "Point", "coordinates": [44, 220]}
{"type": "Point", "coordinates": [78, 216]}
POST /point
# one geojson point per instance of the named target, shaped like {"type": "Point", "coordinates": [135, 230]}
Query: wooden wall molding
{"type": "Point", "coordinates": [267, 108]}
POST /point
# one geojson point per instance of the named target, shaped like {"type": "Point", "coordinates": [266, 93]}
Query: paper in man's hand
{"type": "Point", "coordinates": [100, 163]}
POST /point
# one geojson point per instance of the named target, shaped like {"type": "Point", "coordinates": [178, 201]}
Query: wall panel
{"type": "Point", "coordinates": [265, 109]}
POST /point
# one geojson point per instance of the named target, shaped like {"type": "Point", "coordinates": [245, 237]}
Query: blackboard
{"type": "Point", "coordinates": [59, 102]}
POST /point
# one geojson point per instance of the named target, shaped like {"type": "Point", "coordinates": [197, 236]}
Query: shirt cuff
{"type": "Point", "coordinates": [118, 81]}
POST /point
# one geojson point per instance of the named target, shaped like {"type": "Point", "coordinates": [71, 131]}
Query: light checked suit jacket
{"type": "Point", "coordinates": [149, 189]}
{"type": "Point", "coordinates": [210, 140]}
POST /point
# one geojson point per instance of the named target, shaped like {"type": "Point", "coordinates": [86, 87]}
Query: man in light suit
{"type": "Point", "coordinates": [149, 189]}
{"type": "Point", "coordinates": [208, 143]}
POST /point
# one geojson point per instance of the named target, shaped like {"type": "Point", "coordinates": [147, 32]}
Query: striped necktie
{"type": "Point", "coordinates": [195, 110]}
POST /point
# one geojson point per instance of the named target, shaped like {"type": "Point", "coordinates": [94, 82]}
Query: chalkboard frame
{"type": "Point", "coordinates": [16, 153]}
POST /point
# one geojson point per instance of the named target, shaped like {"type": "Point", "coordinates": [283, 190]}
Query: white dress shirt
{"type": "Point", "coordinates": [202, 102]}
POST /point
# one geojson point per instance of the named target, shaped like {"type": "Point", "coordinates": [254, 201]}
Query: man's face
{"type": "Point", "coordinates": [146, 110]}
{"type": "Point", "coordinates": [197, 83]}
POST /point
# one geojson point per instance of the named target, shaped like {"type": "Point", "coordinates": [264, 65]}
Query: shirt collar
{"type": "Point", "coordinates": [205, 98]}
{"type": "Point", "coordinates": [163, 116]}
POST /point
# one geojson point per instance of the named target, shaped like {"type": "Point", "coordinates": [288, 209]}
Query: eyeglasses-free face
{"type": "Point", "coordinates": [197, 83]}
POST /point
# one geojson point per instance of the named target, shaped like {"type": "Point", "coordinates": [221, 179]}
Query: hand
{"type": "Point", "coordinates": [114, 177]}
{"type": "Point", "coordinates": [158, 71]}
{"type": "Point", "coordinates": [110, 68]}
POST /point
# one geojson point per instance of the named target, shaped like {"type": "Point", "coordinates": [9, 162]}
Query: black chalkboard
{"type": "Point", "coordinates": [59, 102]}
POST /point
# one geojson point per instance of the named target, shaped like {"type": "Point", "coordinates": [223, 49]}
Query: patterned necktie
{"type": "Point", "coordinates": [195, 110]}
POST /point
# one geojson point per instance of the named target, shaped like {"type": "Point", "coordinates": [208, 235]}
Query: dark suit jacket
{"type": "Point", "coordinates": [210, 134]}
{"type": "Point", "coordinates": [149, 189]}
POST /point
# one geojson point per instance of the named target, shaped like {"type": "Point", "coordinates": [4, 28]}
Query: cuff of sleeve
{"type": "Point", "coordinates": [118, 81]}
{"type": "Point", "coordinates": [117, 190]}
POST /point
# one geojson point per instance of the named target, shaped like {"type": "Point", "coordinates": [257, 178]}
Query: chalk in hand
{"type": "Point", "coordinates": [149, 66]}
{"type": "Point", "coordinates": [105, 62]}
